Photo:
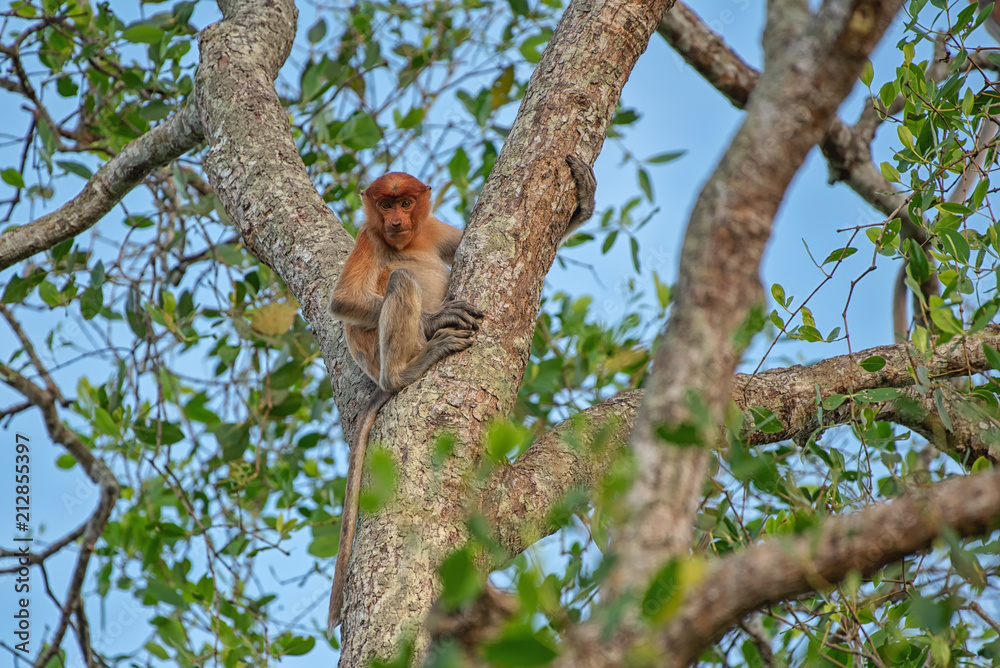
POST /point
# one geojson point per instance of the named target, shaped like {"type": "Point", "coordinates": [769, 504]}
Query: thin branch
{"type": "Point", "coordinates": [96, 470]}
{"type": "Point", "coordinates": [29, 350]}
{"type": "Point", "coordinates": [164, 143]}
{"type": "Point", "coordinates": [39, 557]}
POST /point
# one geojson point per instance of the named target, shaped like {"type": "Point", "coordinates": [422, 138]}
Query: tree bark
{"type": "Point", "coordinates": [719, 287]}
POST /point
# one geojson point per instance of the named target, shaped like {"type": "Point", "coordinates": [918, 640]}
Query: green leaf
{"type": "Point", "coordinates": [878, 394]}
{"type": "Point", "coordinates": [645, 184]}
{"type": "Point", "coordinates": [105, 423]}
{"type": "Point", "coordinates": [663, 158]}
{"type": "Point", "coordinates": [905, 136]}
{"type": "Point", "coordinates": [942, 410]}
{"type": "Point", "coordinates": [460, 579]}
{"type": "Point", "coordinates": [156, 650]}
{"type": "Point", "coordinates": [155, 110]}
{"type": "Point", "coordinates": [75, 168]}
{"type": "Point", "coordinates": [531, 48]}
{"type": "Point", "coordinates": [992, 356]}
{"type": "Point", "coordinates": [778, 293]}
{"type": "Point", "coordinates": [169, 432]}
{"type": "Point", "coordinates": [317, 32]}
{"type": "Point", "coordinates": [943, 317]}
{"type": "Point", "coordinates": [312, 80]}
{"type": "Point", "coordinates": [171, 631]}
{"type": "Point", "coordinates": [19, 288]}
{"type": "Point", "coordinates": [840, 254]}
{"type": "Point", "coordinates": [609, 241]}
{"type": "Point", "coordinates": [624, 116]}
{"type": "Point", "coordinates": [765, 420]}
{"type": "Point", "coordinates": [873, 363]}
{"type": "Point", "coordinates": [954, 244]}
{"type": "Point", "coordinates": [684, 434]}
{"type": "Point", "coordinates": [133, 315]}
{"type": "Point", "coordinates": [889, 172]}
{"type": "Point", "coordinates": [12, 177]}
{"type": "Point", "coordinates": [519, 648]}
{"type": "Point", "coordinates": [360, 132]}
{"type": "Point", "coordinates": [867, 74]}
{"type": "Point", "coordinates": [233, 439]}
{"type": "Point", "coordinates": [326, 541]}
{"type": "Point", "coordinates": [918, 267]}
{"type": "Point", "coordinates": [91, 302]}
{"type": "Point", "coordinates": [412, 119]}
{"type": "Point", "coordinates": [981, 464]}
{"type": "Point", "coordinates": [142, 34]}
{"type": "Point", "coordinates": [381, 468]}
{"type": "Point", "coordinates": [50, 294]}
{"type": "Point", "coordinates": [833, 401]}
{"type": "Point", "coordinates": [520, 7]}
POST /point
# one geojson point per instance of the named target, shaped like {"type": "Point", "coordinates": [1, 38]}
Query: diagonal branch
{"type": "Point", "coordinates": [862, 542]}
{"type": "Point", "coordinates": [164, 143]}
{"type": "Point", "coordinates": [255, 169]}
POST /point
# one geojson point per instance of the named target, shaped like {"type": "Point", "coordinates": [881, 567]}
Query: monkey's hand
{"type": "Point", "coordinates": [586, 191]}
{"type": "Point", "coordinates": [453, 314]}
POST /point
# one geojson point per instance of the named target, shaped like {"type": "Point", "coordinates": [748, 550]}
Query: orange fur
{"type": "Point", "coordinates": [391, 297]}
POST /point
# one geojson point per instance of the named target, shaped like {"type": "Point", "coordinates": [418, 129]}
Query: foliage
{"type": "Point", "coordinates": [189, 372]}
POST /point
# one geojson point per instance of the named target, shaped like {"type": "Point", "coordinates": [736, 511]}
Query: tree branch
{"type": "Point", "coordinates": [519, 498]}
{"type": "Point", "coordinates": [164, 143]}
{"type": "Point", "coordinates": [862, 542]}
{"type": "Point", "coordinates": [718, 286]}
{"type": "Point", "coordinates": [255, 169]}
{"type": "Point", "coordinates": [99, 474]}
{"type": "Point", "coordinates": [847, 150]}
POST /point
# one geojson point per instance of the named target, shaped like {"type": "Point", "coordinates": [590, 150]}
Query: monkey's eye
{"type": "Point", "coordinates": [385, 204]}
{"type": "Point", "coordinates": [406, 203]}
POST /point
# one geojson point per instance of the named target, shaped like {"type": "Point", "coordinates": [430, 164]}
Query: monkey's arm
{"type": "Point", "coordinates": [454, 313]}
{"type": "Point", "coordinates": [448, 238]}
{"type": "Point", "coordinates": [353, 300]}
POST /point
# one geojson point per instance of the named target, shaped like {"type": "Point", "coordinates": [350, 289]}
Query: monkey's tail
{"type": "Point", "coordinates": [349, 516]}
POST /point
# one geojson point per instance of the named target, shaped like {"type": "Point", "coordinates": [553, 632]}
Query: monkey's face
{"type": "Point", "coordinates": [397, 220]}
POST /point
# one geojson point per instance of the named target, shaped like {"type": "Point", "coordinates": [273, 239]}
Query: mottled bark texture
{"type": "Point", "coordinates": [718, 287]}
{"type": "Point", "coordinates": [160, 146]}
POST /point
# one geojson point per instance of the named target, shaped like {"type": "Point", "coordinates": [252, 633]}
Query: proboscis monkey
{"type": "Point", "coordinates": [398, 320]}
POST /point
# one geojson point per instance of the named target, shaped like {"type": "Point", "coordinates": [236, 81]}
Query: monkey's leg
{"type": "Point", "coordinates": [405, 351]}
